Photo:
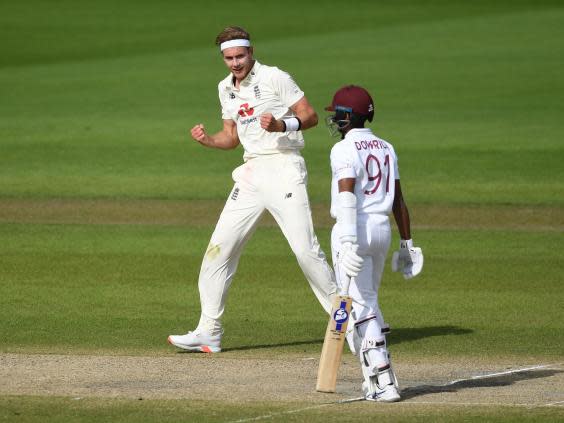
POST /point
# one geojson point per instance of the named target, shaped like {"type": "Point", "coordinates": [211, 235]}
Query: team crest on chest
{"type": "Point", "coordinates": [257, 92]}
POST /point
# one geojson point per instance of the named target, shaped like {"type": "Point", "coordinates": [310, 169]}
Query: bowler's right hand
{"type": "Point", "coordinates": [198, 132]}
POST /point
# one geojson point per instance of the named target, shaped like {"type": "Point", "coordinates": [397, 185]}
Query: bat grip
{"type": "Point", "coordinates": [346, 284]}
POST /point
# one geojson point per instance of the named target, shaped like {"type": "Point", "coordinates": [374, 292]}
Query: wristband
{"type": "Point", "coordinates": [406, 243]}
{"type": "Point", "coordinates": [292, 124]}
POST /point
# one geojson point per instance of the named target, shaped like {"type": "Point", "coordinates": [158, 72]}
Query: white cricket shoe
{"type": "Point", "coordinates": [382, 387]}
{"type": "Point", "coordinates": [388, 394]}
{"type": "Point", "coordinates": [197, 341]}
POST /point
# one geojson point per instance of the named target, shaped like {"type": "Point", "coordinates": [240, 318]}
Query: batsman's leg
{"type": "Point", "coordinates": [380, 382]}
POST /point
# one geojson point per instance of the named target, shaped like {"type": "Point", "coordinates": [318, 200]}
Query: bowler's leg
{"type": "Point", "coordinates": [293, 215]}
{"type": "Point", "coordinates": [236, 224]}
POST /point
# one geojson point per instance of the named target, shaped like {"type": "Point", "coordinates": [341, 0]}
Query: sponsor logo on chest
{"type": "Point", "coordinates": [246, 114]}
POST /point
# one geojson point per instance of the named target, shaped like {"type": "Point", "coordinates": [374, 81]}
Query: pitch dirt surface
{"type": "Point", "coordinates": [204, 377]}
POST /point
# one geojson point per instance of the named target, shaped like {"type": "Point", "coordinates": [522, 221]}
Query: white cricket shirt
{"type": "Point", "coordinates": [264, 89]}
{"type": "Point", "coordinates": [373, 163]}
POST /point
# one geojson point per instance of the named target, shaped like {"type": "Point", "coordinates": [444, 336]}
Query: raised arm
{"type": "Point", "coordinates": [225, 139]}
{"type": "Point", "coordinates": [303, 111]}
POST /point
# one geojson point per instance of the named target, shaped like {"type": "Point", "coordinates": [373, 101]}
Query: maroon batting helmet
{"type": "Point", "coordinates": [355, 99]}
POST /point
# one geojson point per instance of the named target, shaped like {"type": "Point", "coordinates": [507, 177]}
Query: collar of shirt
{"type": "Point", "coordinates": [358, 130]}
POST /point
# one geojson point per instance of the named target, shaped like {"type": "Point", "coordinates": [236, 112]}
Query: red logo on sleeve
{"type": "Point", "coordinates": [244, 110]}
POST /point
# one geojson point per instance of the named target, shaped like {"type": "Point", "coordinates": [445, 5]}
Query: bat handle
{"type": "Point", "coordinates": [346, 284]}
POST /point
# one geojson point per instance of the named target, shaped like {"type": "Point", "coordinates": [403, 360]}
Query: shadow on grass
{"type": "Point", "coordinates": [285, 344]}
{"type": "Point", "coordinates": [399, 335]}
{"type": "Point", "coordinates": [396, 336]}
{"type": "Point", "coordinates": [484, 382]}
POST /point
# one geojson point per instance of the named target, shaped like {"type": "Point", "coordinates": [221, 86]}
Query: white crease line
{"type": "Point", "coordinates": [508, 372]}
{"type": "Point", "coordinates": [554, 404]}
{"type": "Point", "coordinates": [281, 413]}
{"type": "Point", "coordinates": [489, 375]}
{"type": "Point", "coordinates": [469, 404]}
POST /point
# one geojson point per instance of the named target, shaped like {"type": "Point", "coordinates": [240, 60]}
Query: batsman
{"type": "Point", "coordinates": [365, 189]}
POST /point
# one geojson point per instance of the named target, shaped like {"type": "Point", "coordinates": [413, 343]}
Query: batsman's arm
{"type": "Point", "coordinates": [346, 184]}
{"type": "Point", "coordinates": [401, 214]}
{"type": "Point", "coordinates": [225, 139]}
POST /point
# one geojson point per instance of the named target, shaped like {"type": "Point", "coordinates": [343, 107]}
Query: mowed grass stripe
{"type": "Point", "coordinates": [206, 212]}
{"type": "Point", "coordinates": [123, 288]}
{"type": "Point", "coordinates": [56, 409]}
{"type": "Point", "coordinates": [456, 115]}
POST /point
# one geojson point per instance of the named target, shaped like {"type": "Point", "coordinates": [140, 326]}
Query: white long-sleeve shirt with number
{"type": "Point", "coordinates": [373, 163]}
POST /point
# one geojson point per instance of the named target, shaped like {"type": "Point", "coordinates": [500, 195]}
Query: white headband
{"type": "Point", "coordinates": [235, 43]}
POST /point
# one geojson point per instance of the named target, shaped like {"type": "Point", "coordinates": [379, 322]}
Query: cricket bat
{"type": "Point", "coordinates": [334, 340]}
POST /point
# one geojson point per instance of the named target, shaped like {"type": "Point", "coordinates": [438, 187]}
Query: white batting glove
{"type": "Point", "coordinates": [350, 260]}
{"type": "Point", "coordinates": [408, 259]}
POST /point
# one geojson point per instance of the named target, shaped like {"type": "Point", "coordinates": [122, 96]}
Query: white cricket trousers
{"type": "Point", "coordinates": [374, 236]}
{"type": "Point", "coordinates": [276, 183]}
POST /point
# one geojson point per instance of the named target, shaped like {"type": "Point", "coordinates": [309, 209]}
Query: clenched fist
{"type": "Point", "coordinates": [198, 132]}
{"type": "Point", "coordinates": [270, 124]}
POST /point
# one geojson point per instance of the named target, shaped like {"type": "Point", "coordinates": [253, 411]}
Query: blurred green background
{"type": "Point", "coordinates": [106, 205]}
{"type": "Point", "coordinates": [97, 98]}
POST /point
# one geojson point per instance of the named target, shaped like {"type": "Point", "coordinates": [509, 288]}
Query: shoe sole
{"type": "Point", "coordinates": [383, 400]}
{"type": "Point", "coordinates": [388, 400]}
{"type": "Point", "coordinates": [380, 399]}
{"type": "Point", "coordinates": [201, 348]}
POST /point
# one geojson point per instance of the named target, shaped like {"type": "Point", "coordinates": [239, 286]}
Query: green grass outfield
{"type": "Point", "coordinates": [122, 288]}
{"type": "Point", "coordinates": [95, 410]}
{"type": "Point", "coordinates": [106, 206]}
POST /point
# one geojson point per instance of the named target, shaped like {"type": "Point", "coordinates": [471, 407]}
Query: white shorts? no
{"type": "Point", "coordinates": [276, 183]}
{"type": "Point", "coordinates": [374, 236]}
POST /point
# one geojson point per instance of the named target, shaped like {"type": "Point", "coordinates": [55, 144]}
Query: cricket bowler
{"type": "Point", "coordinates": [265, 111]}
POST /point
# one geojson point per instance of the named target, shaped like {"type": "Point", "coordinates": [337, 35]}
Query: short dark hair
{"type": "Point", "coordinates": [232, 33]}
{"type": "Point", "coordinates": [358, 121]}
